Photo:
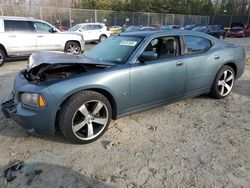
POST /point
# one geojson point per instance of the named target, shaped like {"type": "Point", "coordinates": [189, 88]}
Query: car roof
{"type": "Point", "coordinates": [91, 23]}
{"type": "Point", "coordinates": [161, 32]}
{"type": "Point", "coordinates": [17, 18]}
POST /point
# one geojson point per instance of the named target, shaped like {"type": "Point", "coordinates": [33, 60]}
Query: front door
{"type": "Point", "coordinates": [158, 80]}
{"type": "Point", "coordinates": [46, 38]}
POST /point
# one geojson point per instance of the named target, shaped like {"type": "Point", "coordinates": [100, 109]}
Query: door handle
{"type": "Point", "coordinates": [13, 36]}
{"type": "Point", "coordinates": [180, 63]}
{"type": "Point", "coordinates": [40, 36]}
{"type": "Point", "coordinates": [217, 57]}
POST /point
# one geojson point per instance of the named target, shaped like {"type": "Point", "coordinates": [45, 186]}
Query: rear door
{"type": "Point", "coordinates": [21, 41]}
{"type": "Point", "coordinates": [200, 61]}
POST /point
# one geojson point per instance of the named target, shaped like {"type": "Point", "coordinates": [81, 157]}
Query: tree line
{"type": "Point", "coordinates": [193, 7]}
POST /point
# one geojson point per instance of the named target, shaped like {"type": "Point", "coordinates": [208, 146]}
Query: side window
{"type": "Point", "coordinates": [195, 44]}
{"type": "Point", "coordinates": [165, 47]}
{"type": "Point", "coordinates": [96, 27]}
{"type": "Point", "coordinates": [42, 27]}
{"type": "Point", "coordinates": [16, 26]}
{"type": "Point", "coordinates": [87, 27]}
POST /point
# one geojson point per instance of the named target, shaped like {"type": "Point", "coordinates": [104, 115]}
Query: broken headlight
{"type": "Point", "coordinates": [32, 100]}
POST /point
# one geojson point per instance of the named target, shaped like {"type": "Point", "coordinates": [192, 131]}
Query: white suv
{"type": "Point", "coordinates": [23, 36]}
{"type": "Point", "coordinates": [91, 31]}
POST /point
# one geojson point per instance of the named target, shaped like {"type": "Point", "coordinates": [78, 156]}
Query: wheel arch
{"type": "Point", "coordinates": [72, 41]}
{"type": "Point", "coordinates": [104, 92]}
{"type": "Point", "coordinates": [3, 48]}
{"type": "Point", "coordinates": [233, 66]}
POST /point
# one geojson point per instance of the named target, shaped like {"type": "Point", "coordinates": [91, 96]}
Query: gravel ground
{"type": "Point", "coordinates": [199, 142]}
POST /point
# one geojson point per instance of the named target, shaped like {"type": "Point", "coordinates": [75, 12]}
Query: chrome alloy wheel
{"type": "Point", "coordinates": [73, 49]}
{"type": "Point", "coordinates": [90, 120]}
{"type": "Point", "coordinates": [225, 83]}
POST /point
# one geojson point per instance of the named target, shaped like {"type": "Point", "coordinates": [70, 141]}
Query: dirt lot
{"type": "Point", "coordinates": [199, 142]}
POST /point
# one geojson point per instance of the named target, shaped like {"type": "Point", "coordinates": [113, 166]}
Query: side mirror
{"type": "Point", "coordinates": [53, 30]}
{"type": "Point", "coordinates": [148, 56]}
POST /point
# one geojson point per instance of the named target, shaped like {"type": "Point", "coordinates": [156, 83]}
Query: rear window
{"type": "Point", "coordinates": [195, 44]}
{"type": "Point", "coordinates": [16, 26]}
{"type": "Point", "coordinates": [96, 27]}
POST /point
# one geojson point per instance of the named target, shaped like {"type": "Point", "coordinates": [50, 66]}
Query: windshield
{"type": "Point", "coordinates": [115, 49]}
{"type": "Point", "coordinates": [75, 28]}
{"type": "Point", "coordinates": [200, 29]}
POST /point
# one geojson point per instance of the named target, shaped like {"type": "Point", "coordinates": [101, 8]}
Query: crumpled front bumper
{"type": "Point", "coordinates": [8, 106]}
{"type": "Point", "coordinates": [38, 121]}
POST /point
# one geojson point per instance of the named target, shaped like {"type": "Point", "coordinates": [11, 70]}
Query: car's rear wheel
{"type": "Point", "coordinates": [223, 83]}
{"type": "Point", "coordinates": [102, 38]}
{"type": "Point", "coordinates": [72, 48]}
{"type": "Point", "coordinates": [2, 57]}
{"type": "Point", "coordinates": [85, 117]}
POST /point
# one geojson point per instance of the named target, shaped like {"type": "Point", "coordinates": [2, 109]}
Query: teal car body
{"type": "Point", "coordinates": [130, 86]}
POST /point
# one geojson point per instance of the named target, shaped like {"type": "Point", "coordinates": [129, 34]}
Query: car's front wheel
{"type": "Point", "coordinates": [2, 57]}
{"type": "Point", "coordinates": [85, 116]}
{"type": "Point", "coordinates": [223, 83]}
{"type": "Point", "coordinates": [102, 38]}
{"type": "Point", "coordinates": [72, 48]}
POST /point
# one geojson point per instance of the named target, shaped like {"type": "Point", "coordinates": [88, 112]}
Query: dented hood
{"type": "Point", "coordinates": [51, 58]}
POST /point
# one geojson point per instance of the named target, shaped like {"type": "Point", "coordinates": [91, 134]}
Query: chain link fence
{"type": "Point", "coordinates": [68, 17]}
{"type": "Point", "coordinates": [226, 20]}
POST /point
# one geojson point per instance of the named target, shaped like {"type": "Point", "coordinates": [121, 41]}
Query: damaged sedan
{"type": "Point", "coordinates": [128, 73]}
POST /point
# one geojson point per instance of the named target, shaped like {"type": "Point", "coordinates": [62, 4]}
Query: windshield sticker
{"type": "Point", "coordinates": [128, 43]}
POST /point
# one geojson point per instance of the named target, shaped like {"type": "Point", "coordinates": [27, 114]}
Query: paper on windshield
{"type": "Point", "coordinates": [128, 43]}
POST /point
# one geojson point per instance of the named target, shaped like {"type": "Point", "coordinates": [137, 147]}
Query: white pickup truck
{"type": "Point", "coordinates": [20, 36]}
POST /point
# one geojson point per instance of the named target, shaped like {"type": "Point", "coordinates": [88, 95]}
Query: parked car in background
{"type": "Point", "coordinates": [191, 26]}
{"type": "Point", "coordinates": [148, 28]}
{"type": "Point", "coordinates": [139, 28]}
{"type": "Point", "coordinates": [91, 32]}
{"type": "Point", "coordinates": [238, 29]}
{"type": "Point", "coordinates": [130, 28]}
{"type": "Point", "coordinates": [171, 27]}
{"type": "Point", "coordinates": [213, 30]}
{"type": "Point", "coordinates": [79, 95]}
{"type": "Point", "coordinates": [115, 29]}
{"type": "Point", "coordinates": [21, 36]}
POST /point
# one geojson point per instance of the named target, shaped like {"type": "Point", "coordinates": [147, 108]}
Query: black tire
{"type": "Point", "coordinates": [102, 38]}
{"type": "Point", "coordinates": [2, 57]}
{"type": "Point", "coordinates": [72, 47]}
{"type": "Point", "coordinates": [71, 107]}
{"type": "Point", "coordinates": [215, 91]}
